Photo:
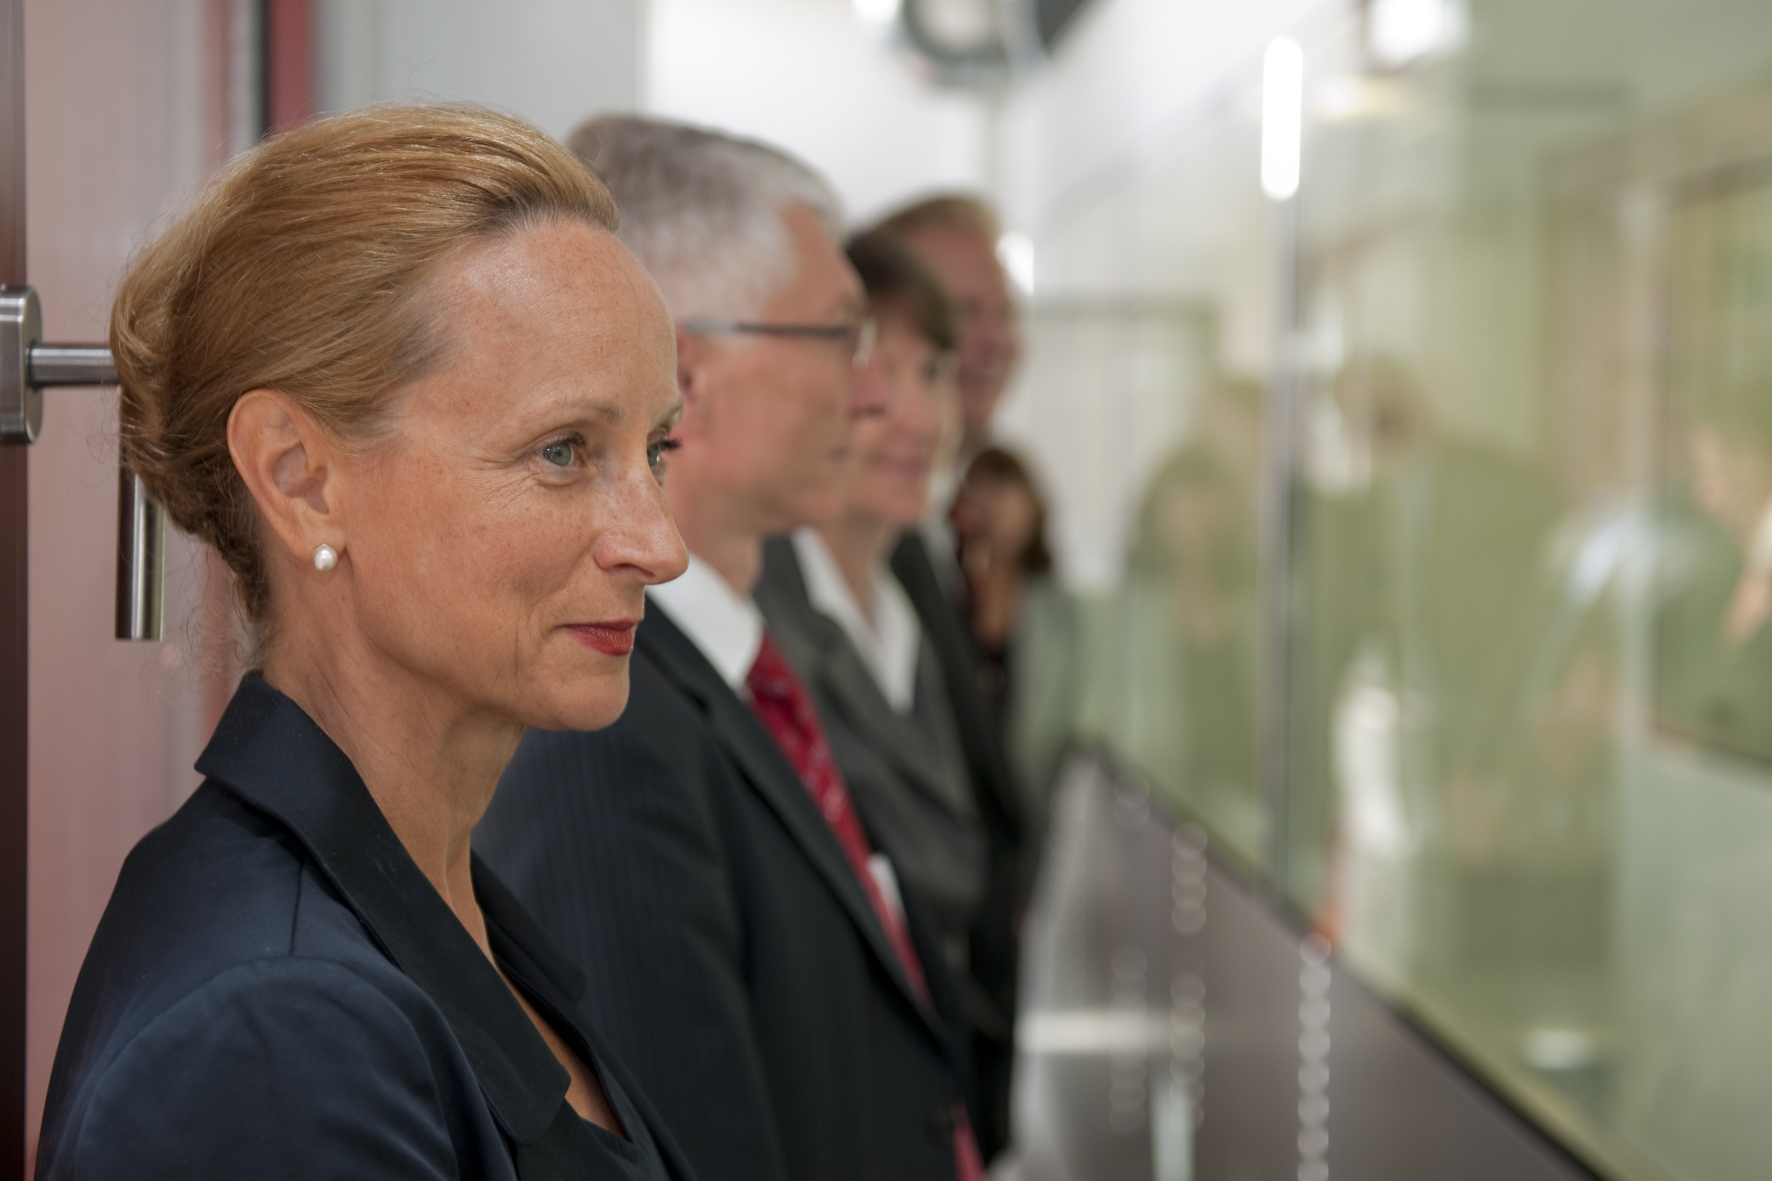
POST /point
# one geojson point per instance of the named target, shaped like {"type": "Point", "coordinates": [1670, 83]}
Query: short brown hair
{"type": "Point", "coordinates": [302, 269]}
{"type": "Point", "coordinates": [956, 211]}
{"type": "Point", "coordinates": [899, 283]}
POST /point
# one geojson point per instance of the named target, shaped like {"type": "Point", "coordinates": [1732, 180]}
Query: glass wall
{"type": "Point", "coordinates": [1519, 319]}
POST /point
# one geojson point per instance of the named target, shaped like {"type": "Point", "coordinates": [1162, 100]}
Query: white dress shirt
{"type": "Point", "coordinates": [724, 624]}
{"type": "Point", "coordinates": [888, 637]}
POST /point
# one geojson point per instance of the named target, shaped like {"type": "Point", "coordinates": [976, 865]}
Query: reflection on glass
{"type": "Point", "coordinates": [1531, 669]}
{"type": "Point", "coordinates": [1529, 647]}
{"type": "Point", "coordinates": [1171, 653]}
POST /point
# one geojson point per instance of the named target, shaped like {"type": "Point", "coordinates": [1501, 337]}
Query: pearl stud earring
{"type": "Point", "coordinates": [325, 558]}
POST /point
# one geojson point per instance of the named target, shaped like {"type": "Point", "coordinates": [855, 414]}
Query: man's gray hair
{"type": "Point", "coordinates": [701, 210]}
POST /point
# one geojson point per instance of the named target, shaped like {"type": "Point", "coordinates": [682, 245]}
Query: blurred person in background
{"type": "Point", "coordinates": [1425, 546]}
{"type": "Point", "coordinates": [956, 237]}
{"type": "Point", "coordinates": [703, 859]}
{"type": "Point", "coordinates": [440, 513]}
{"type": "Point", "coordinates": [848, 627]}
{"type": "Point", "coordinates": [1171, 656]}
{"type": "Point", "coordinates": [1713, 647]}
{"type": "Point", "coordinates": [1025, 625]}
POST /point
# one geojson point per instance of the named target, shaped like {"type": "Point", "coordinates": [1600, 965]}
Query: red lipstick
{"type": "Point", "coordinates": [614, 637]}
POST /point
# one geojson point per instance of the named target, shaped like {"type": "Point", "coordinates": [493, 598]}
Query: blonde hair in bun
{"type": "Point", "coordinates": [302, 268]}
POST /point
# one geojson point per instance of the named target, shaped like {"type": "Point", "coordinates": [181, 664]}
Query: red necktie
{"type": "Point", "coordinates": [785, 709]}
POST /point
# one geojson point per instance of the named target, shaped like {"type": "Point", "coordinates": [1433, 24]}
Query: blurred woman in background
{"type": "Point", "coordinates": [1024, 622]}
{"type": "Point", "coordinates": [396, 369]}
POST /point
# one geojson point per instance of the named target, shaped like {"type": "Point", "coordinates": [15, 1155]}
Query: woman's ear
{"type": "Point", "coordinates": [284, 459]}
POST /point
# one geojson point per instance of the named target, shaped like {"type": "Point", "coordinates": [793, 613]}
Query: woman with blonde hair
{"type": "Point", "coordinates": [396, 369]}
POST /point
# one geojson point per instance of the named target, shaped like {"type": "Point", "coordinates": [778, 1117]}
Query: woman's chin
{"type": "Point", "coordinates": [599, 704]}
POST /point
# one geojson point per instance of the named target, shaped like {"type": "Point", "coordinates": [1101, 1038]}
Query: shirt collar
{"type": "Point", "coordinates": [268, 752]}
{"type": "Point", "coordinates": [724, 624]}
{"type": "Point", "coordinates": [888, 642]}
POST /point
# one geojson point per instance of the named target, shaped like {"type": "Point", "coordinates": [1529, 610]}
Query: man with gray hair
{"type": "Point", "coordinates": [748, 950]}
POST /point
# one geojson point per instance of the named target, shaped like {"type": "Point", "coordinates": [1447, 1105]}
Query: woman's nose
{"type": "Point", "coordinates": [642, 537]}
{"type": "Point", "coordinates": [869, 390]}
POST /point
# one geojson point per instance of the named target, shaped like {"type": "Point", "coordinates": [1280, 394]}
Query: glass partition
{"type": "Point", "coordinates": [1142, 402]}
{"type": "Point", "coordinates": [1531, 668]}
{"type": "Point", "coordinates": [1527, 360]}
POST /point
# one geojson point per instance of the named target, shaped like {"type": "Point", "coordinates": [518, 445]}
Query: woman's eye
{"type": "Point", "coordinates": [655, 453]}
{"type": "Point", "coordinates": [559, 454]}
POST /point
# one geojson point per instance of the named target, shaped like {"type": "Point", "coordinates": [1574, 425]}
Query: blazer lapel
{"type": "Point", "coordinates": [832, 664]}
{"type": "Point", "coordinates": [850, 687]}
{"type": "Point", "coordinates": [769, 773]}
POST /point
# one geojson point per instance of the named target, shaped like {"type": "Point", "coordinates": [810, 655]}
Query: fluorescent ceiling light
{"type": "Point", "coordinates": [1400, 31]}
{"type": "Point", "coordinates": [1282, 117]}
{"type": "Point", "coordinates": [1015, 251]}
{"type": "Point", "coordinates": [877, 13]}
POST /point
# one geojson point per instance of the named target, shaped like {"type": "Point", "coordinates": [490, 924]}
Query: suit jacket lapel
{"type": "Point", "coordinates": [836, 668]}
{"type": "Point", "coordinates": [769, 773]}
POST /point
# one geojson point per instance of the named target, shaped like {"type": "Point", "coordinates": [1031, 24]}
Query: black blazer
{"type": "Point", "coordinates": [277, 991]}
{"type": "Point", "coordinates": [733, 954]}
{"type": "Point", "coordinates": [995, 948]}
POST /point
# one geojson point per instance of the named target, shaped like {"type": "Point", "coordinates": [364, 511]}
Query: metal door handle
{"type": "Point", "coordinates": [72, 364]}
{"type": "Point", "coordinates": [27, 368]}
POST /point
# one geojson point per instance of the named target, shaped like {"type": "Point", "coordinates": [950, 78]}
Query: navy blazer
{"type": "Point", "coordinates": [277, 991]}
{"type": "Point", "coordinates": [734, 955]}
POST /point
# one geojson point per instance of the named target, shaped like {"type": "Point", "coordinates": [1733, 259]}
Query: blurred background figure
{"type": "Point", "coordinates": [1171, 653]}
{"type": "Point", "coordinates": [957, 237]}
{"type": "Point", "coordinates": [1714, 650]}
{"type": "Point", "coordinates": [1425, 552]}
{"type": "Point", "coordinates": [1025, 624]}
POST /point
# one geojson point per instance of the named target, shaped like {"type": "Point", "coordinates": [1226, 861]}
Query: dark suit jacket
{"type": "Point", "coordinates": [907, 773]}
{"type": "Point", "coordinates": [996, 948]}
{"type": "Point", "coordinates": [277, 991]}
{"type": "Point", "coordinates": [732, 951]}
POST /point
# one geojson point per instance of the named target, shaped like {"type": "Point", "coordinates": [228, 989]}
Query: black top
{"type": "Point", "coordinates": [277, 991]}
{"type": "Point", "coordinates": [734, 955]}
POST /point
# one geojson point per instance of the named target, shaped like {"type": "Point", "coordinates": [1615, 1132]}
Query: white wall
{"type": "Point", "coordinates": [1128, 73]}
{"type": "Point", "coordinates": [806, 75]}
{"type": "Point", "coordinates": [1130, 159]}
{"type": "Point", "coordinates": [552, 62]}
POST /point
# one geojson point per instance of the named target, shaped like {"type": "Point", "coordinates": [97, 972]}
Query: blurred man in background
{"type": "Point", "coordinates": [956, 237]}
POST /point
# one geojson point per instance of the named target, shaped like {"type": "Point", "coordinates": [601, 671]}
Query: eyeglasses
{"type": "Point", "coordinates": [859, 337]}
